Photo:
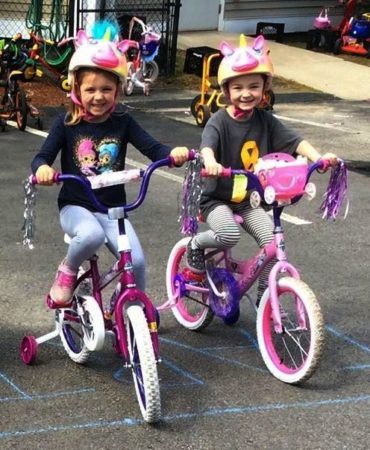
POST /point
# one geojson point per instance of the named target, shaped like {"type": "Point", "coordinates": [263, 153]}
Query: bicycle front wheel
{"type": "Point", "coordinates": [150, 71]}
{"type": "Point", "coordinates": [143, 364]}
{"type": "Point", "coordinates": [293, 355]}
{"type": "Point", "coordinates": [192, 309]}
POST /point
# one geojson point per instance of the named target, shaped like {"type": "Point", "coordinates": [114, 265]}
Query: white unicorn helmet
{"type": "Point", "coordinates": [102, 50]}
{"type": "Point", "coordinates": [246, 59]}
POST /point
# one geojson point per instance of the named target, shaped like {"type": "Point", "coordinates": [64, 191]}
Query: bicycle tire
{"type": "Point", "coordinates": [143, 364]}
{"type": "Point", "coordinates": [129, 85]}
{"type": "Point", "coordinates": [94, 328]}
{"type": "Point", "coordinates": [294, 355]}
{"type": "Point", "coordinates": [76, 340]}
{"type": "Point", "coordinates": [196, 102]}
{"type": "Point", "coordinates": [21, 109]}
{"type": "Point", "coordinates": [151, 72]}
{"type": "Point", "coordinates": [190, 311]}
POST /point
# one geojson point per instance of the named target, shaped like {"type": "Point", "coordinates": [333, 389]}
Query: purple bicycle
{"type": "Point", "coordinates": [290, 324]}
{"type": "Point", "coordinates": [129, 316]}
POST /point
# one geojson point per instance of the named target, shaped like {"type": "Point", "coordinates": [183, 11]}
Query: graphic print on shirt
{"type": "Point", "coordinates": [86, 157]}
{"type": "Point", "coordinates": [108, 153]}
{"type": "Point", "coordinates": [97, 157]}
{"type": "Point", "coordinates": [249, 156]}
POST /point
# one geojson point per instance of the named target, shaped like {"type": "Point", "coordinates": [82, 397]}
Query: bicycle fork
{"type": "Point", "coordinates": [282, 266]}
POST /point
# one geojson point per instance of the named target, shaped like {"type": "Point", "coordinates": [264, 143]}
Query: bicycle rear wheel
{"type": "Point", "coordinates": [82, 329]}
{"type": "Point", "coordinates": [293, 355]}
{"type": "Point", "coordinates": [192, 309]}
{"type": "Point", "coordinates": [21, 109]}
{"type": "Point", "coordinates": [143, 364]}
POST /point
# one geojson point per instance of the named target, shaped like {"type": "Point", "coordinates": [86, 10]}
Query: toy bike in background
{"type": "Point", "coordinates": [204, 62]}
{"type": "Point", "coordinates": [128, 316]}
{"type": "Point", "coordinates": [13, 104]}
{"type": "Point", "coordinates": [39, 54]}
{"type": "Point", "coordinates": [142, 69]}
{"type": "Point", "coordinates": [352, 35]}
{"type": "Point", "coordinates": [355, 37]}
{"type": "Point", "coordinates": [290, 324]}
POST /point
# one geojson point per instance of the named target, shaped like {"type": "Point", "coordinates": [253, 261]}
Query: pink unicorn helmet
{"type": "Point", "coordinates": [246, 59]}
{"type": "Point", "coordinates": [102, 50]}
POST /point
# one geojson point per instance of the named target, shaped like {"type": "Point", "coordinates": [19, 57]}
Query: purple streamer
{"type": "Point", "coordinates": [336, 192]}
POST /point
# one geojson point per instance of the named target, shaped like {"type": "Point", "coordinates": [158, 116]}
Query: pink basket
{"type": "Point", "coordinates": [287, 177]}
{"type": "Point", "coordinates": [322, 21]}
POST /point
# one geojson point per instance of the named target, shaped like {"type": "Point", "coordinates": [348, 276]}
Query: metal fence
{"type": "Point", "coordinates": [56, 19]}
{"type": "Point", "coordinates": [50, 16]}
{"type": "Point", "coordinates": [162, 15]}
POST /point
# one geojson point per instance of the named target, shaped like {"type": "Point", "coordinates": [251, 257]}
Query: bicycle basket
{"type": "Point", "coordinates": [285, 174]}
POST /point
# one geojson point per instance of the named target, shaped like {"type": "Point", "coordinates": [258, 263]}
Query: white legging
{"type": "Point", "coordinates": [225, 232]}
{"type": "Point", "coordinates": [89, 231]}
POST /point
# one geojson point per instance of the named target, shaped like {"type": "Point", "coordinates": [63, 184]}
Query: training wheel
{"type": "Point", "coordinates": [28, 349]}
{"type": "Point", "coordinates": [310, 190]}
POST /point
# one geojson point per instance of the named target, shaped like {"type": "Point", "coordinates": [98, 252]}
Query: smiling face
{"type": "Point", "coordinates": [98, 90]}
{"type": "Point", "coordinates": [246, 92]}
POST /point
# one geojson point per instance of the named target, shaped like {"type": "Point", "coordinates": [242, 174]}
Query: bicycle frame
{"type": "Point", "coordinates": [248, 270]}
{"type": "Point", "coordinates": [128, 292]}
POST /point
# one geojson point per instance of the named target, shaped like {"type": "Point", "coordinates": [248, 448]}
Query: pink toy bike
{"type": "Point", "coordinates": [142, 69]}
{"type": "Point", "coordinates": [129, 316]}
{"type": "Point", "coordinates": [290, 324]}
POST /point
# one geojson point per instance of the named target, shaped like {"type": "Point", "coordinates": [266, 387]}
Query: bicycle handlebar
{"type": "Point", "coordinates": [254, 182]}
{"type": "Point", "coordinates": [114, 178]}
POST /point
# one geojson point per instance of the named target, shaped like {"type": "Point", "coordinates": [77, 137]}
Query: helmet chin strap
{"type": "Point", "coordinates": [239, 113]}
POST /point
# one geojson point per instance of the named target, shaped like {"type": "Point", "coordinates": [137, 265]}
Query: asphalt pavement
{"type": "Point", "coordinates": [216, 392]}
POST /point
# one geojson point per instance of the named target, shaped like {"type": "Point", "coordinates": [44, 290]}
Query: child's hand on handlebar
{"type": "Point", "coordinates": [45, 175]}
{"type": "Point", "coordinates": [211, 166]}
{"type": "Point", "coordinates": [329, 160]}
{"type": "Point", "coordinates": [180, 155]}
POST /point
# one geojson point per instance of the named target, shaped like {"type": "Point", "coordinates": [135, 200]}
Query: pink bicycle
{"type": "Point", "coordinates": [290, 324]}
{"type": "Point", "coordinates": [129, 316]}
{"type": "Point", "coordinates": [142, 68]}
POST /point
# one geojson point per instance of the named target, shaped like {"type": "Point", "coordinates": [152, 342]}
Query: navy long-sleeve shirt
{"type": "Point", "coordinates": [94, 148]}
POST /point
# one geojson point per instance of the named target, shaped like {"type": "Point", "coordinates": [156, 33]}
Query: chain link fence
{"type": "Point", "coordinates": [49, 16]}
{"type": "Point", "coordinates": [56, 19]}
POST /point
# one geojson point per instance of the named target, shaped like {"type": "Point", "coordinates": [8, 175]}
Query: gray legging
{"type": "Point", "coordinates": [89, 231]}
{"type": "Point", "coordinates": [225, 232]}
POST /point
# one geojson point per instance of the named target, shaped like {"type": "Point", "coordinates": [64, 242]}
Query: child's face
{"type": "Point", "coordinates": [98, 93]}
{"type": "Point", "coordinates": [246, 91]}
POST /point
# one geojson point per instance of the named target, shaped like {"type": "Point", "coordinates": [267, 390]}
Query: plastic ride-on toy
{"type": "Point", "coordinates": [355, 37]}
{"type": "Point", "coordinates": [204, 62]}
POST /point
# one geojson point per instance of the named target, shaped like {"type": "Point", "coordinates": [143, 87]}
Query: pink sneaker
{"type": "Point", "coordinates": [62, 289]}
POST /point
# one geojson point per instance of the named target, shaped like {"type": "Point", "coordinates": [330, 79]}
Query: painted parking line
{"type": "Point", "coordinates": [210, 412]}
{"type": "Point", "coordinates": [348, 339]}
{"type": "Point", "coordinates": [211, 354]}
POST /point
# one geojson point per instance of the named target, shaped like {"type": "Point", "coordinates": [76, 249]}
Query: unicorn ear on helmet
{"type": "Point", "coordinates": [253, 58]}
{"type": "Point", "coordinates": [101, 50]}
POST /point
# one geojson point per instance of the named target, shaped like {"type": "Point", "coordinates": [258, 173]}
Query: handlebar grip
{"type": "Point", "coordinates": [33, 179]}
{"type": "Point", "coordinates": [324, 164]}
{"type": "Point", "coordinates": [226, 173]}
